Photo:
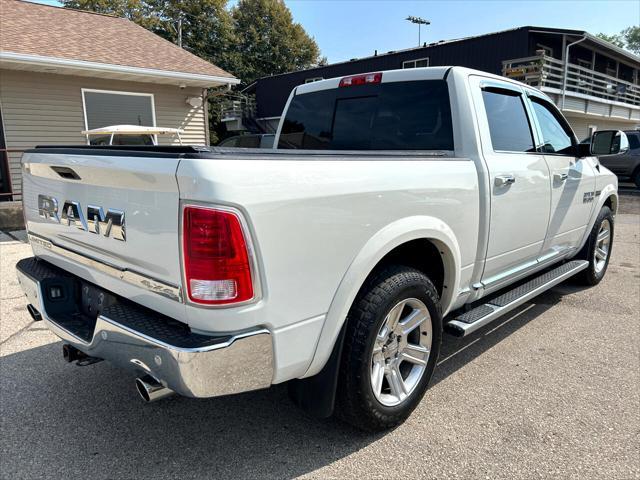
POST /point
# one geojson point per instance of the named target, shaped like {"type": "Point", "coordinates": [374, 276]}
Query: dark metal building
{"type": "Point", "coordinates": [600, 83]}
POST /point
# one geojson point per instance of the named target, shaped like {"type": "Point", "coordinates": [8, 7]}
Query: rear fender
{"type": "Point", "coordinates": [378, 246]}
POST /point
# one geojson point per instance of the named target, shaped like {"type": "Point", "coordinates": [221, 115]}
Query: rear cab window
{"type": "Point", "coordinates": [408, 115]}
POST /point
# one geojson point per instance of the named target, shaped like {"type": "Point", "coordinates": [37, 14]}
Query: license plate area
{"type": "Point", "coordinates": [74, 304]}
{"type": "Point", "coordinates": [93, 300]}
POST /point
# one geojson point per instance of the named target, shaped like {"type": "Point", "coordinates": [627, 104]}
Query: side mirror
{"type": "Point", "coordinates": [609, 142]}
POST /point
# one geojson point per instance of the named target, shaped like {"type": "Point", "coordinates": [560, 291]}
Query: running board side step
{"type": "Point", "coordinates": [468, 322]}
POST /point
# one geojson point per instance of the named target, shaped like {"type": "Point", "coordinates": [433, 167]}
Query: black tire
{"type": "Point", "coordinates": [636, 178]}
{"type": "Point", "coordinates": [356, 402]}
{"type": "Point", "coordinates": [592, 275]}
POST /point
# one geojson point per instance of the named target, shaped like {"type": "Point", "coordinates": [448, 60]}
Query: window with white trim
{"type": "Point", "coordinates": [417, 63]}
{"type": "Point", "coordinates": [103, 108]}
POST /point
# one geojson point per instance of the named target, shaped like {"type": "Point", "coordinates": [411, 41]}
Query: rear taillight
{"type": "Point", "coordinates": [364, 79]}
{"type": "Point", "coordinates": [216, 257]}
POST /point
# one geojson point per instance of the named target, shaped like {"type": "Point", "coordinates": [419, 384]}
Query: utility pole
{"type": "Point", "coordinates": [180, 29]}
{"type": "Point", "coordinates": [419, 21]}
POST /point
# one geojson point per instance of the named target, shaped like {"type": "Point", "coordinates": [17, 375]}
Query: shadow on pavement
{"type": "Point", "coordinates": [63, 420]}
{"type": "Point", "coordinates": [13, 236]}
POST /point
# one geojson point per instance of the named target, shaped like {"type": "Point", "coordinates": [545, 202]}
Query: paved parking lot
{"type": "Point", "coordinates": [553, 390]}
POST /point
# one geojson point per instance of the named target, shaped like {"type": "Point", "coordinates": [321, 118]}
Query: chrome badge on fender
{"type": "Point", "coordinates": [588, 197]}
{"type": "Point", "coordinates": [109, 224]}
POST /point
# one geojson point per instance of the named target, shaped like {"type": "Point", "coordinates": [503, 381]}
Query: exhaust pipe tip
{"type": "Point", "coordinates": [151, 390]}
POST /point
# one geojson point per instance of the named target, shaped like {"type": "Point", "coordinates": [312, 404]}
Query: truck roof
{"type": "Point", "coordinates": [406, 74]}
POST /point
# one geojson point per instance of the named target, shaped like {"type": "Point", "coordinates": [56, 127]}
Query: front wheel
{"type": "Point", "coordinates": [597, 250]}
{"type": "Point", "coordinates": [392, 343]}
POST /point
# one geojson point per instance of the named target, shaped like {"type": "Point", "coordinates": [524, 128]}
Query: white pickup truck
{"type": "Point", "coordinates": [395, 206]}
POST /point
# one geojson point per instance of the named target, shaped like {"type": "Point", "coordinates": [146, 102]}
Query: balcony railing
{"type": "Point", "coordinates": [543, 71]}
{"type": "Point", "coordinates": [238, 109]}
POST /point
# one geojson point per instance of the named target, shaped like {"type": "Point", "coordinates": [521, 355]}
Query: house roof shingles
{"type": "Point", "coordinates": [34, 29]}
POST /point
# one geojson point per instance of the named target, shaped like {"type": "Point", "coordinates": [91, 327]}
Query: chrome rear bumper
{"type": "Point", "coordinates": [143, 341]}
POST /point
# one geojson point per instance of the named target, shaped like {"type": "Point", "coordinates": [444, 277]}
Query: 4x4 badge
{"type": "Point", "coordinates": [588, 197]}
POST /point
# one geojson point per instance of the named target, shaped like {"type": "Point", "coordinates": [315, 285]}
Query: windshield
{"type": "Point", "coordinates": [412, 115]}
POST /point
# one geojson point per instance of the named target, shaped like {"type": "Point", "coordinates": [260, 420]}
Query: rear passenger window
{"type": "Point", "coordinates": [508, 123]}
{"type": "Point", "coordinates": [634, 141]}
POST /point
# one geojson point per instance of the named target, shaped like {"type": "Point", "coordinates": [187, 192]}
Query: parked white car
{"type": "Point", "coordinates": [398, 205]}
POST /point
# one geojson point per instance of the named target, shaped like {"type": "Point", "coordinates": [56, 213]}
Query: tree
{"type": "Point", "coordinates": [207, 29]}
{"type": "Point", "coordinates": [615, 39]}
{"type": "Point", "coordinates": [629, 38]}
{"type": "Point", "coordinates": [268, 41]}
{"type": "Point", "coordinates": [138, 11]}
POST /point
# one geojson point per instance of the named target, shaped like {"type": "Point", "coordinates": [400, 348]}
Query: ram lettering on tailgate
{"type": "Point", "coordinates": [111, 224]}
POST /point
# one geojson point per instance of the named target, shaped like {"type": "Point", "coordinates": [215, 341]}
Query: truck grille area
{"type": "Point", "coordinates": [75, 305]}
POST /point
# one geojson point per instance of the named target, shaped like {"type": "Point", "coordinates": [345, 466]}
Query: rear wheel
{"type": "Point", "coordinates": [636, 178]}
{"type": "Point", "coordinates": [598, 249]}
{"type": "Point", "coordinates": [391, 347]}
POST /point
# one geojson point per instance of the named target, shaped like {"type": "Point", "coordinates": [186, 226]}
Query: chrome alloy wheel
{"type": "Point", "coordinates": [401, 352]}
{"type": "Point", "coordinates": [603, 244]}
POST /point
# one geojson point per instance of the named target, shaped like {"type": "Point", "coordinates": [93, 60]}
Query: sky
{"type": "Point", "coordinates": [346, 29]}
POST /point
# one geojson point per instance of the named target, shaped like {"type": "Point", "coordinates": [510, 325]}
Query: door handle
{"type": "Point", "coordinates": [502, 180]}
{"type": "Point", "coordinates": [560, 177]}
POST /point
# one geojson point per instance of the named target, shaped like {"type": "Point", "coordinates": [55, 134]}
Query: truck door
{"type": "Point", "coordinates": [572, 179]}
{"type": "Point", "coordinates": [518, 181]}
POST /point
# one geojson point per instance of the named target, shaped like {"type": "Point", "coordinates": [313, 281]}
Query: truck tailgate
{"type": "Point", "coordinates": [67, 192]}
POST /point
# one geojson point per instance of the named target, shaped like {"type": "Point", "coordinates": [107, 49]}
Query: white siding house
{"type": "Point", "coordinates": [56, 82]}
